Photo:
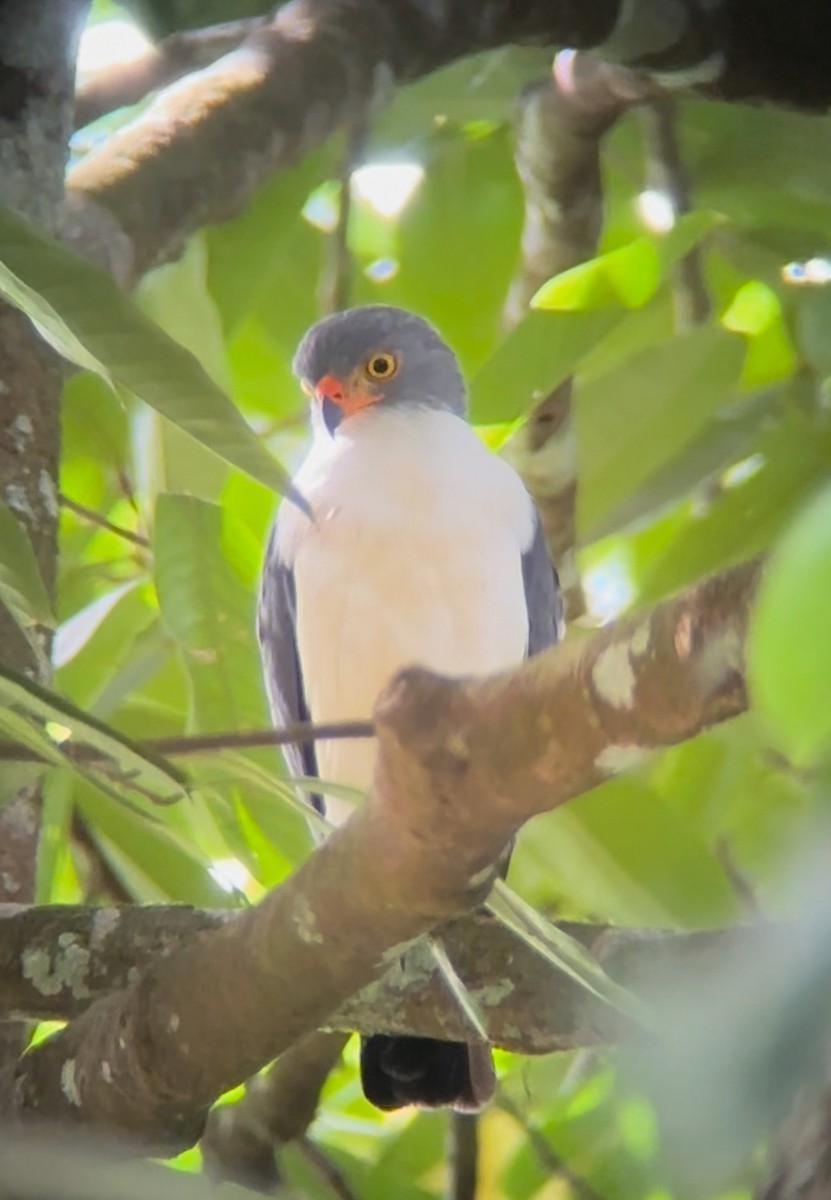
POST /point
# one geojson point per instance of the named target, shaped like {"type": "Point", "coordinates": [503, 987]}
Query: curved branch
{"type": "Point", "coordinates": [123, 83]}
{"type": "Point", "coordinates": [201, 148]}
{"type": "Point", "coordinates": [448, 796]}
{"type": "Point", "coordinates": [559, 131]}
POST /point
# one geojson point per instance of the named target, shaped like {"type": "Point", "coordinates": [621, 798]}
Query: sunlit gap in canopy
{"type": "Point", "coordinates": [387, 187]}
{"type": "Point", "coordinates": [608, 586]}
{"type": "Point", "coordinates": [109, 43]}
{"type": "Point", "coordinates": [656, 210]}
{"type": "Point", "coordinates": [233, 876]}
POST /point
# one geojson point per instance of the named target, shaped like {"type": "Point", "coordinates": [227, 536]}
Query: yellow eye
{"type": "Point", "coordinates": [381, 366]}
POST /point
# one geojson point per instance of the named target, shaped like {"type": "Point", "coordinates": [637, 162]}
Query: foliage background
{"type": "Point", "coordinates": [696, 448]}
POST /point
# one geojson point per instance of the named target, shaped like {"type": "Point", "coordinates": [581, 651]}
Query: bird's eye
{"type": "Point", "coordinates": [381, 366]}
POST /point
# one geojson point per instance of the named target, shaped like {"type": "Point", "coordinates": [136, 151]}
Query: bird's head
{"type": "Point", "coordinates": [379, 356]}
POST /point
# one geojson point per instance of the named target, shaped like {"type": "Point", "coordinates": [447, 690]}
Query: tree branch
{"type": "Point", "coordinates": [240, 1139]}
{"type": "Point", "coordinates": [200, 149]}
{"type": "Point", "coordinates": [447, 798]}
{"type": "Point", "coordinates": [559, 130]}
{"type": "Point", "coordinates": [123, 83]}
{"type": "Point", "coordinates": [59, 960]}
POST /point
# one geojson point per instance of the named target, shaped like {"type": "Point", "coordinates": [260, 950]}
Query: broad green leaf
{"type": "Point", "coordinates": [632, 422]}
{"type": "Point", "coordinates": [620, 852]}
{"type": "Point", "coordinates": [457, 242]}
{"type": "Point", "coordinates": [157, 863]}
{"type": "Point", "coordinates": [248, 256]}
{"type": "Point", "coordinates": [54, 831]}
{"type": "Point", "coordinates": [133, 767]}
{"type": "Point", "coordinates": [176, 296]}
{"type": "Point", "coordinates": [629, 275]}
{"type": "Point", "coordinates": [785, 463]}
{"type": "Point", "coordinates": [209, 612]}
{"type": "Point", "coordinates": [757, 313]}
{"type": "Point", "coordinates": [724, 440]}
{"type": "Point", "coordinates": [536, 355]}
{"type": "Point", "coordinates": [789, 650]}
{"type": "Point", "coordinates": [21, 585]}
{"type": "Point", "coordinates": [84, 315]}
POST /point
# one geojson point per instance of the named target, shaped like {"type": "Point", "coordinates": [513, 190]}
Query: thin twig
{"type": "Point", "coordinates": [328, 1170]}
{"type": "Point", "coordinates": [337, 276]}
{"type": "Point", "coordinates": [548, 1157]}
{"type": "Point", "coordinates": [94, 518]}
{"type": "Point", "coordinates": [738, 880]}
{"type": "Point", "coordinates": [462, 1156]}
{"type": "Point", "coordinates": [666, 174]}
{"type": "Point", "coordinates": [181, 747]}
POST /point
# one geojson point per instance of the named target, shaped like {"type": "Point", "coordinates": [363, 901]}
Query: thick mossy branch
{"type": "Point", "coordinates": [461, 766]}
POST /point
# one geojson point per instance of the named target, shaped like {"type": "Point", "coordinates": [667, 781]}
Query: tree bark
{"type": "Point", "coordinates": [448, 796]}
{"type": "Point", "coordinates": [38, 42]}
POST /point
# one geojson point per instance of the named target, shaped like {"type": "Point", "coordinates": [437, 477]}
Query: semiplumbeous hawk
{"type": "Point", "coordinates": [424, 549]}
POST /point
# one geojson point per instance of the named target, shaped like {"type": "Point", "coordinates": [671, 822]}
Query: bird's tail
{"type": "Point", "coordinates": [396, 1071]}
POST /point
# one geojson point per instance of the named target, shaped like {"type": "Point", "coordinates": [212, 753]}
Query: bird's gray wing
{"type": "Point", "coordinates": [542, 594]}
{"type": "Point", "coordinates": [277, 635]}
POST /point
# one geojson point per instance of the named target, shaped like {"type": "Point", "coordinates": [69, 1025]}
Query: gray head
{"type": "Point", "coordinates": [377, 355]}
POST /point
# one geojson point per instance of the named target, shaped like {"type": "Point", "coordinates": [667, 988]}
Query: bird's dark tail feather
{"type": "Point", "coordinates": [412, 1070]}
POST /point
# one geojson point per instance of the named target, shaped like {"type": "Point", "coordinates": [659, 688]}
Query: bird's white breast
{"type": "Point", "coordinates": [414, 556]}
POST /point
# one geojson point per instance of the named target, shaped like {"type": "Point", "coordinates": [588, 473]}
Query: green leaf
{"type": "Point", "coordinates": [21, 585]}
{"type": "Point", "coordinates": [134, 768]}
{"type": "Point", "coordinates": [757, 312]}
{"type": "Point", "coordinates": [457, 242]}
{"type": "Point", "coordinates": [209, 612]}
{"type": "Point", "coordinates": [85, 316]}
{"type": "Point", "coordinates": [629, 424]}
{"type": "Point", "coordinates": [789, 650]}
{"type": "Point", "coordinates": [536, 355]}
{"type": "Point", "coordinates": [157, 863]}
{"type": "Point", "coordinates": [629, 275]}
{"type": "Point", "coordinates": [724, 440]}
{"type": "Point", "coordinates": [788, 459]}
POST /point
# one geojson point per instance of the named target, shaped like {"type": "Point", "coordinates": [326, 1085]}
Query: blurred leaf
{"type": "Point", "coordinates": [619, 852]}
{"type": "Point", "coordinates": [789, 651]}
{"type": "Point", "coordinates": [21, 585]}
{"type": "Point", "coordinates": [210, 614]}
{"type": "Point", "coordinates": [86, 317]}
{"type": "Point", "coordinates": [54, 832]}
{"type": "Point", "coordinates": [724, 440]}
{"type": "Point", "coordinates": [536, 355]}
{"type": "Point", "coordinates": [155, 862]}
{"type": "Point", "coordinates": [638, 418]}
{"type": "Point", "coordinates": [135, 768]}
{"type": "Point", "coordinates": [756, 312]}
{"type": "Point", "coordinates": [176, 297]}
{"type": "Point", "coordinates": [813, 323]}
{"type": "Point", "coordinates": [457, 242]}
{"type": "Point", "coordinates": [248, 256]}
{"type": "Point", "coordinates": [789, 459]}
{"type": "Point", "coordinates": [629, 275]}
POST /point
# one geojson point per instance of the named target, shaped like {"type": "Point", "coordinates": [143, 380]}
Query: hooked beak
{"type": "Point", "coordinates": [330, 393]}
{"type": "Point", "coordinates": [342, 398]}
